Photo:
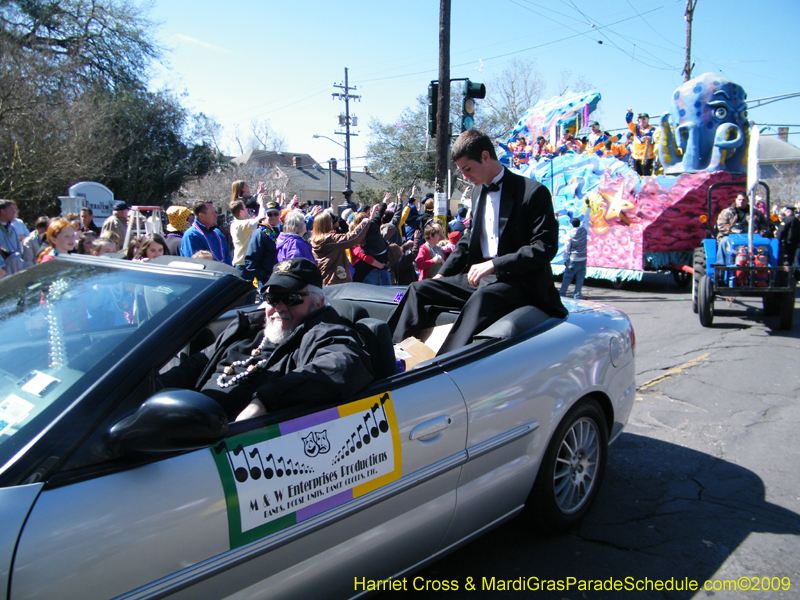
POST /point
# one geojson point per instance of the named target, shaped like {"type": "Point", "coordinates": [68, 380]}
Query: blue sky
{"type": "Point", "coordinates": [241, 60]}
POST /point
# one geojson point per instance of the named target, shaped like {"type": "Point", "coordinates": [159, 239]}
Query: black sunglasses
{"type": "Point", "coordinates": [273, 214]}
{"type": "Point", "coordinates": [289, 299]}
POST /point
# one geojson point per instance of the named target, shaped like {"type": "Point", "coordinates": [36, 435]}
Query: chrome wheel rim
{"type": "Point", "coordinates": [576, 465]}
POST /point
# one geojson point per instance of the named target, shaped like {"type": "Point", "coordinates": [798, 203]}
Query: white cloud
{"type": "Point", "coordinates": [185, 38]}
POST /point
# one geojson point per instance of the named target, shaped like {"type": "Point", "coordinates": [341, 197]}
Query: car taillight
{"type": "Point", "coordinates": [633, 340]}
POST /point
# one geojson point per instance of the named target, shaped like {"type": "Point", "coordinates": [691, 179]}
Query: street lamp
{"type": "Point", "coordinates": [347, 156]}
{"type": "Point", "coordinates": [327, 138]}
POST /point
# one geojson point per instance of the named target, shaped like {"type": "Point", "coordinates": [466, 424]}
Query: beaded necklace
{"type": "Point", "coordinates": [58, 356]}
{"type": "Point", "coordinates": [249, 365]}
{"type": "Point", "coordinates": [208, 242]}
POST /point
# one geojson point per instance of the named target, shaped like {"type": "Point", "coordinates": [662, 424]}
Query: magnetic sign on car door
{"type": "Point", "coordinates": [286, 473]}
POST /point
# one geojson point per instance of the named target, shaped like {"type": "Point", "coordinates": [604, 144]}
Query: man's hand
{"type": "Point", "coordinates": [413, 191]}
{"type": "Point", "coordinates": [479, 271]}
{"type": "Point", "coordinates": [401, 196]}
{"type": "Point", "coordinates": [374, 212]}
{"type": "Point", "coordinates": [438, 276]}
{"type": "Point", "coordinates": [254, 409]}
{"type": "Point", "coordinates": [387, 197]}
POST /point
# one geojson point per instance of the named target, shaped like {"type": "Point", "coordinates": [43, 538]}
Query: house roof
{"type": "Point", "coordinates": [316, 179]}
{"type": "Point", "coordinates": [265, 158]}
{"type": "Point", "coordinates": [772, 149]}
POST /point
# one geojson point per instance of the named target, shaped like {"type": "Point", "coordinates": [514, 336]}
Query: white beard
{"type": "Point", "coordinates": [275, 332]}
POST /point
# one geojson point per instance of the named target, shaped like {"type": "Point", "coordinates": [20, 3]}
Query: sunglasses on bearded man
{"type": "Point", "coordinates": [289, 299]}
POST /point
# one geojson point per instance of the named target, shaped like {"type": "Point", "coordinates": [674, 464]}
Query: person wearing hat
{"type": "Point", "coordinates": [179, 218]}
{"type": "Point", "coordinates": [298, 351]}
{"type": "Point", "coordinates": [597, 139]}
{"type": "Point", "coordinates": [262, 253]}
{"type": "Point", "coordinates": [117, 223]}
{"type": "Point", "coordinates": [643, 147]}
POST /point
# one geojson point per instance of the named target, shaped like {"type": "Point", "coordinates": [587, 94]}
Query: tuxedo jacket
{"type": "Point", "coordinates": [527, 241]}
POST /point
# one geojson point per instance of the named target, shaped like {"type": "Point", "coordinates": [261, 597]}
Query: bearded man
{"type": "Point", "coordinates": [298, 351]}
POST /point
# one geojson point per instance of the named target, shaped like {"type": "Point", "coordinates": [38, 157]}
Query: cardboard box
{"type": "Point", "coordinates": [414, 351]}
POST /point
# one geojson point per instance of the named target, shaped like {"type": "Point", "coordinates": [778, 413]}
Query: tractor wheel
{"type": "Point", "coordinates": [699, 272]}
{"type": "Point", "coordinates": [787, 310]}
{"type": "Point", "coordinates": [705, 301]}
{"type": "Point", "coordinates": [772, 305]}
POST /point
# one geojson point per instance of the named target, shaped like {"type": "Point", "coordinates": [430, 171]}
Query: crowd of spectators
{"type": "Point", "coordinates": [636, 147]}
{"type": "Point", "coordinates": [394, 242]}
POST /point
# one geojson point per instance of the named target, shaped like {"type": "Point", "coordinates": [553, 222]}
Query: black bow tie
{"type": "Point", "coordinates": [494, 187]}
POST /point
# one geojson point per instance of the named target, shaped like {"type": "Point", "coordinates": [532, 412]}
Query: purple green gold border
{"type": "Point", "coordinates": [236, 536]}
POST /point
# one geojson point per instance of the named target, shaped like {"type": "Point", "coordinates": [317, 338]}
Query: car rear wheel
{"type": "Point", "coordinates": [705, 301]}
{"type": "Point", "coordinates": [681, 277]}
{"type": "Point", "coordinates": [787, 310]}
{"type": "Point", "coordinates": [571, 471]}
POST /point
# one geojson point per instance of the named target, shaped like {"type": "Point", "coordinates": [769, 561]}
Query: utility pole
{"type": "Point", "coordinates": [346, 96]}
{"type": "Point", "coordinates": [687, 68]}
{"type": "Point", "coordinates": [443, 104]}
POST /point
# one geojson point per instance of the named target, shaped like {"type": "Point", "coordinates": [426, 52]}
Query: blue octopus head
{"type": "Point", "coordinates": [709, 114]}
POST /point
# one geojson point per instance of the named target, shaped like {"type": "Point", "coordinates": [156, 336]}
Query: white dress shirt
{"type": "Point", "coordinates": [491, 219]}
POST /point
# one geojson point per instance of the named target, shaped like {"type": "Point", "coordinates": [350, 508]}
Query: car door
{"type": "Point", "coordinates": [511, 414]}
{"type": "Point", "coordinates": [302, 506]}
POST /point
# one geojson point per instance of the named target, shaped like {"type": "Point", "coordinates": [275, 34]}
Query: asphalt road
{"type": "Point", "coordinates": [704, 483]}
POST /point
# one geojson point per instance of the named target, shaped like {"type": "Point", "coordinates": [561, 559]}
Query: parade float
{"type": "Point", "coordinates": [637, 224]}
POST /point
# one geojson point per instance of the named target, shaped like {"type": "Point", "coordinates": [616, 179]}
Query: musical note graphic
{"type": "Point", "coordinates": [374, 431]}
{"type": "Point", "coordinates": [268, 472]}
{"type": "Point", "coordinates": [240, 473]}
{"type": "Point", "coordinates": [292, 469]}
{"type": "Point", "coordinates": [352, 442]}
{"type": "Point", "coordinates": [279, 472]}
{"type": "Point", "coordinates": [360, 438]}
{"type": "Point", "coordinates": [366, 424]}
{"type": "Point", "coordinates": [384, 425]}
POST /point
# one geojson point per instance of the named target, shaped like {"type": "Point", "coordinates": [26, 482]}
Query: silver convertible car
{"type": "Point", "coordinates": [112, 488]}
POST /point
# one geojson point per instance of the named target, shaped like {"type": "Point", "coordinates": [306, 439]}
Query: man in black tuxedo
{"type": "Point", "coordinates": [501, 263]}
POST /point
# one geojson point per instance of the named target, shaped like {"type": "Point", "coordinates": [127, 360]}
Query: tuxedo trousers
{"type": "Point", "coordinates": [480, 307]}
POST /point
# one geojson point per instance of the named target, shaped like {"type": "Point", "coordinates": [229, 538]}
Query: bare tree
{"type": "Point", "coordinates": [784, 185]}
{"type": "Point", "coordinates": [567, 84]}
{"type": "Point", "coordinates": [264, 137]}
{"type": "Point", "coordinates": [509, 95]}
{"type": "Point", "coordinates": [215, 186]}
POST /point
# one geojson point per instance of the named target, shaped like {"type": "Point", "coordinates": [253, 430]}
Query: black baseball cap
{"type": "Point", "coordinates": [120, 205]}
{"type": "Point", "coordinates": [294, 274]}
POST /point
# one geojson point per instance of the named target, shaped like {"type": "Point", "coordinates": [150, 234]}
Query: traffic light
{"type": "Point", "coordinates": [433, 105]}
{"type": "Point", "coordinates": [471, 90]}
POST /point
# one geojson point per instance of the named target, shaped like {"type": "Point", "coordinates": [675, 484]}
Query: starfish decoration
{"type": "Point", "coordinates": [616, 204]}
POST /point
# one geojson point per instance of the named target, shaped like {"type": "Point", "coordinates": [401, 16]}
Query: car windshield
{"type": "Point", "coordinates": [64, 319]}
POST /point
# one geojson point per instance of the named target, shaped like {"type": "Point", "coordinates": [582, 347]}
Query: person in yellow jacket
{"type": "Point", "coordinates": [643, 146]}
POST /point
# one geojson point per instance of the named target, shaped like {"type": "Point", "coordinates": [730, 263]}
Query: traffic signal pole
{"type": "Point", "coordinates": [443, 100]}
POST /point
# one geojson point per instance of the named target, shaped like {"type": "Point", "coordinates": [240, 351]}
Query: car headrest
{"type": "Point", "coordinates": [350, 311]}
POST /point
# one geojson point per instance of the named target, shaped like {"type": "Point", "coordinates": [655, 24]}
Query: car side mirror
{"type": "Point", "coordinates": [169, 421]}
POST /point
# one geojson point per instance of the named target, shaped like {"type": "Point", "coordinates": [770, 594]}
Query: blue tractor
{"type": "Point", "coordinates": [759, 271]}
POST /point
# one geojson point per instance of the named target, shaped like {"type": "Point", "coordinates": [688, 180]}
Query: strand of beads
{"type": "Point", "coordinates": [250, 367]}
{"type": "Point", "coordinates": [58, 356]}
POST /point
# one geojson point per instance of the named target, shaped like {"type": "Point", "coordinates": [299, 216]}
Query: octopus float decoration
{"type": "Point", "coordinates": [706, 128]}
{"type": "Point", "coordinates": [642, 223]}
